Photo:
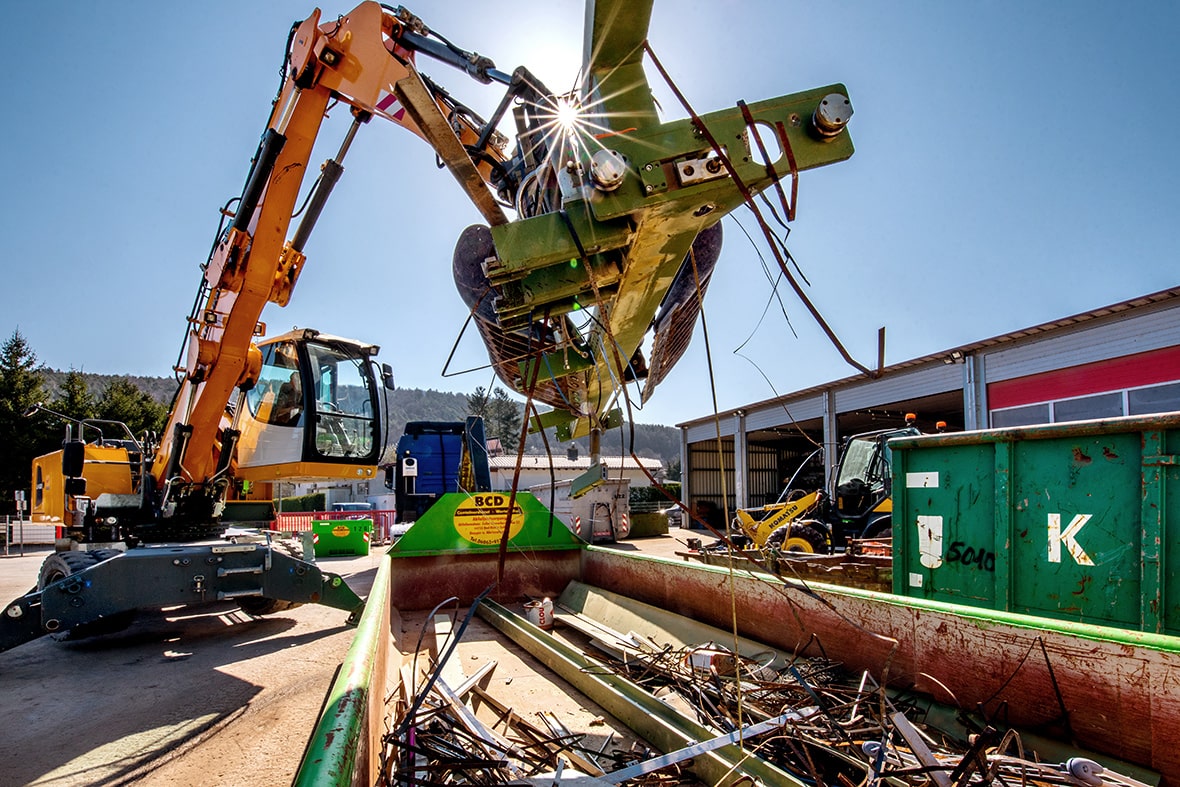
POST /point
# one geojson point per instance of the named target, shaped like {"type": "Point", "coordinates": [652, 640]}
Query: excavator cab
{"type": "Point", "coordinates": [315, 412]}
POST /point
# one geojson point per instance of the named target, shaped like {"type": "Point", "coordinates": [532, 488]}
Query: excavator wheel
{"type": "Point", "coordinates": [257, 606]}
{"type": "Point", "coordinates": [799, 537]}
{"type": "Point", "coordinates": [61, 565]}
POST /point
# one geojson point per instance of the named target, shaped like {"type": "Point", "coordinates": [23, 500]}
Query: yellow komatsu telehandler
{"type": "Point", "coordinates": [858, 504]}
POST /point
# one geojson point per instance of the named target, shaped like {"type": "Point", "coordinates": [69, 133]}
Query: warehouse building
{"type": "Point", "coordinates": [530, 470]}
{"type": "Point", "coordinates": [1123, 359]}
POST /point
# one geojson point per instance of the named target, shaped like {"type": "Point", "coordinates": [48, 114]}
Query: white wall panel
{"type": "Point", "coordinates": [772, 415]}
{"type": "Point", "coordinates": [1136, 332]}
{"type": "Point", "coordinates": [923, 381]}
{"type": "Point", "coordinates": [707, 430]}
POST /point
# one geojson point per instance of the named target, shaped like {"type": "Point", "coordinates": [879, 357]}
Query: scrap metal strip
{"type": "Point", "coordinates": [647, 716]}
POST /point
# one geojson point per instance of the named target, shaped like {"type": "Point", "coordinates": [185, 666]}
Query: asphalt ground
{"type": "Point", "coordinates": [192, 695]}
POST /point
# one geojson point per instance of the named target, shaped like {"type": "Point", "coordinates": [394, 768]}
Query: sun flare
{"type": "Point", "coordinates": [566, 115]}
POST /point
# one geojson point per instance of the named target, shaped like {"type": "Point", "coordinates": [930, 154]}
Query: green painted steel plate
{"type": "Point", "coordinates": [470, 523]}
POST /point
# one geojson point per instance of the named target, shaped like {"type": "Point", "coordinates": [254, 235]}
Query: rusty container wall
{"type": "Point", "coordinates": [1118, 690]}
{"type": "Point", "coordinates": [1076, 521]}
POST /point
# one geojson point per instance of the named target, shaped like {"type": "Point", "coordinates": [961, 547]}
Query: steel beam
{"type": "Point", "coordinates": [650, 718]}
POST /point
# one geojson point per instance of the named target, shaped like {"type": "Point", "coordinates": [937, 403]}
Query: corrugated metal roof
{"type": "Point", "coordinates": [1151, 299]}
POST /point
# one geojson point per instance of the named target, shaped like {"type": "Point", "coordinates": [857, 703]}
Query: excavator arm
{"type": "Point", "coordinates": [366, 61]}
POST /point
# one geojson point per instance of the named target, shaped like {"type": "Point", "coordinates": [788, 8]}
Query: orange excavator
{"type": "Point", "coordinates": [614, 236]}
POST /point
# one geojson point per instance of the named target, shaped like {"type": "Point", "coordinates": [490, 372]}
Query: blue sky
{"type": "Point", "coordinates": [1015, 164]}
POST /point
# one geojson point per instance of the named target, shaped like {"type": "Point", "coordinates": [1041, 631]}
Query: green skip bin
{"type": "Point", "coordinates": [1073, 521]}
{"type": "Point", "coordinates": [342, 536]}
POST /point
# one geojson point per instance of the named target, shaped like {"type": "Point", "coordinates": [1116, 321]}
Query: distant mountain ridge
{"type": "Point", "coordinates": [161, 389]}
{"type": "Point", "coordinates": [652, 441]}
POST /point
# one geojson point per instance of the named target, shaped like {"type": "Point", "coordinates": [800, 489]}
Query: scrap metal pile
{"type": "Point", "coordinates": [799, 721]}
{"type": "Point", "coordinates": [836, 731]}
{"type": "Point", "coordinates": [448, 744]}
{"type": "Point", "coordinates": [448, 728]}
{"type": "Point", "coordinates": [864, 564]}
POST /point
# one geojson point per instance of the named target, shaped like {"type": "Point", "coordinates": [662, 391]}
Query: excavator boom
{"type": "Point", "coordinates": [364, 59]}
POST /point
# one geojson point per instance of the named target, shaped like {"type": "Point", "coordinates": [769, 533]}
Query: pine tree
{"type": "Point", "coordinates": [22, 385]}
{"type": "Point", "coordinates": [501, 415]}
{"type": "Point", "coordinates": [674, 470]}
{"type": "Point", "coordinates": [124, 401]}
{"type": "Point", "coordinates": [74, 399]}
{"type": "Point", "coordinates": [477, 402]}
{"type": "Point", "coordinates": [504, 413]}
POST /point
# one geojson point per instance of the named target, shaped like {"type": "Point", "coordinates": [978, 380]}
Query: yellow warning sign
{"type": "Point", "coordinates": [480, 519]}
{"type": "Point", "coordinates": [341, 531]}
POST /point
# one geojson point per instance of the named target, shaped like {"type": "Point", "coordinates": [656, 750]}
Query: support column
{"type": "Point", "coordinates": [741, 463]}
{"type": "Point", "coordinates": [974, 393]}
{"type": "Point", "coordinates": [831, 438]}
{"type": "Point", "coordinates": [685, 475]}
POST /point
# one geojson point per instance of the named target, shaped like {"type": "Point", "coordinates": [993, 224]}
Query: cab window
{"type": "Point", "coordinates": [277, 398]}
{"type": "Point", "coordinates": [343, 402]}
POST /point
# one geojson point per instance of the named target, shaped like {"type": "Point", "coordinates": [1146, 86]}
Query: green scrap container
{"type": "Point", "coordinates": [342, 536]}
{"type": "Point", "coordinates": [1067, 521]}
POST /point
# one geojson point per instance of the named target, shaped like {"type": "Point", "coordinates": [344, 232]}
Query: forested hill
{"type": "Point", "coordinates": [416, 404]}
{"type": "Point", "coordinates": [160, 389]}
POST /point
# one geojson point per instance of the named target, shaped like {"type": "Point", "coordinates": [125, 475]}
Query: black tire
{"type": "Point", "coordinates": [258, 606]}
{"type": "Point", "coordinates": [61, 565]}
{"type": "Point", "coordinates": [881, 527]}
{"type": "Point", "coordinates": [799, 537]}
